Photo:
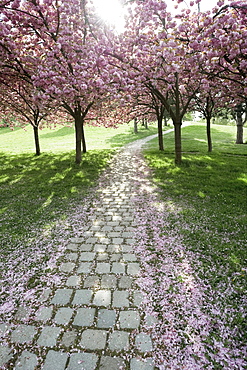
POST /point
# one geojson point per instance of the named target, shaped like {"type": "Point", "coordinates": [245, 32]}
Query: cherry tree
{"type": "Point", "coordinates": [155, 54]}
{"type": "Point", "coordinates": [221, 40]}
{"type": "Point", "coordinates": [19, 104]}
{"type": "Point", "coordinates": [20, 100]}
{"type": "Point", "coordinates": [70, 67]}
{"type": "Point", "coordinates": [240, 114]}
{"type": "Point", "coordinates": [210, 101]}
{"type": "Point", "coordinates": [147, 105]}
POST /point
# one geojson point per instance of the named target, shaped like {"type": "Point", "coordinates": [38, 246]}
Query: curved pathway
{"type": "Point", "coordinates": [94, 320]}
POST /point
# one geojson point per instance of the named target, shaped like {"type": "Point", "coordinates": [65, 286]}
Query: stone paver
{"type": "Point", "coordinates": [67, 266]}
{"type": "Point", "coordinates": [143, 342]}
{"type": "Point", "coordinates": [137, 298]}
{"type": "Point", "coordinates": [111, 363]}
{"type": "Point", "coordinates": [106, 318]}
{"type": "Point", "coordinates": [84, 268]}
{"type": "Point", "coordinates": [125, 282]}
{"type": "Point", "coordinates": [27, 361]}
{"type": "Point", "coordinates": [5, 354]}
{"type": "Point", "coordinates": [119, 341]}
{"type": "Point", "coordinates": [120, 298]}
{"type": "Point", "coordinates": [82, 361]}
{"type": "Point", "coordinates": [55, 360]}
{"type": "Point", "coordinates": [93, 339]}
{"type": "Point", "coordinates": [63, 315]}
{"type": "Point", "coordinates": [87, 256]}
{"type": "Point", "coordinates": [133, 268]}
{"type": "Point", "coordinates": [103, 268]}
{"type": "Point", "coordinates": [139, 364]}
{"type": "Point", "coordinates": [48, 336]}
{"type": "Point", "coordinates": [69, 338]}
{"type": "Point", "coordinates": [84, 317]}
{"type": "Point", "coordinates": [62, 296]}
{"type": "Point", "coordinates": [118, 268]}
{"type": "Point", "coordinates": [22, 313]}
{"type": "Point", "coordinates": [44, 314]}
{"type": "Point", "coordinates": [82, 296]}
{"type": "Point", "coordinates": [102, 298]}
{"type": "Point", "coordinates": [91, 281]}
{"type": "Point", "coordinates": [92, 317]}
{"type": "Point", "coordinates": [23, 334]}
{"type": "Point", "coordinates": [129, 319]}
{"type": "Point", "coordinates": [71, 256]}
{"type": "Point", "coordinates": [73, 281]}
{"type": "Point", "coordinates": [108, 281]}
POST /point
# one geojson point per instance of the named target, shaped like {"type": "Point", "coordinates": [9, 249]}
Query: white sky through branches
{"type": "Point", "coordinates": [111, 11]}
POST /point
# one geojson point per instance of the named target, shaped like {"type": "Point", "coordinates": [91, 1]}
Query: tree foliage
{"type": "Point", "coordinates": [65, 58]}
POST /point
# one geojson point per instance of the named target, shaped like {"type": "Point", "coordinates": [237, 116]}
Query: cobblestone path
{"type": "Point", "coordinates": [93, 321]}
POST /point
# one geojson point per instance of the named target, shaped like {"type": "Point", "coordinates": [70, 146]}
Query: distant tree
{"type": "Point", "coordinates": [240, 115]}
{"type": "Point", "coordinates": [63, 37]}
{"type": "Point", "coordinates": [22, 104]}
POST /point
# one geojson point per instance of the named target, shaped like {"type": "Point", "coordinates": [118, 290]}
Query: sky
{"type": "Point", "coordinates": [111, 11]}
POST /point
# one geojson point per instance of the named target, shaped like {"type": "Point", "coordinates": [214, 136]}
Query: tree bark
{"type": "Point", "coordinates": [84, 147]}
{"type": "Point", "coordinates": [146, 123]}
{"type": "Point", "coordinates": [240, 125]}
{"type": "Point", "coordinates": [78, 138]}
{"type": "Point", "coordinates": [160, 132]}
{"type": "Point", "coordinates": [210, 146]}
{"type": "Point", "coordinates": [240, 134]}
{"type": "Point", "coordinates": [178, 142]}
{"type": "Point", "coordinates": [36, 139]}
{"type": "Point", "coordinates": [135, 126]}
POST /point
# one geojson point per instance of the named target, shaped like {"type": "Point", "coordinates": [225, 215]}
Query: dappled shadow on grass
{"type": "Point", "coordinates": [207, 198]}
{"type": "Point", "coordinates": [36, 191]}
{"type": "Point", "coordinates": [212, 174]}
{"type": "Point", "coordinates": [64, 131]}
{"type": "Point", "coordinates": [7, 130]}
{"type": "Point", "coordinates": [194, 138]}
{"type": "Point", "coordinates": [129, 136]}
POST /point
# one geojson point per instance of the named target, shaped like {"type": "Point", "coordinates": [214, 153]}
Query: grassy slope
{"type": "Point", "coordinates": [37, 191]}
{"type": "Point", "coordinates": [208, 193]}
{"type": "Point", "coordinates": [62, 138]}
{"type": "Point", "coordinates": [42, 200]}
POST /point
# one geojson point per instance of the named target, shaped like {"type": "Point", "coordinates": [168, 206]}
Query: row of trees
{"type": "Point", "coordinates": [58, 60]}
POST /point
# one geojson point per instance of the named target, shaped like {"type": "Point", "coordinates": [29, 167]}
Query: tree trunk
{"type": "Point", "coordinates": [84, 147]}
{"type": "Point", "coordinates": [135, 126]}
{"type": "Point", "coordinates": [36, 139]}
{"type": "Point", "coordinates": [146, 123]}
{"type": "Point", "coordinates": [178, 142]}
{"type": "Point", "coordinates": [240, 125]}
{"type": "Point", "coordinates": [160, 132]}
{"type": "Point", "coordinates": [210, 147]}
{"type": "Point", "coordinates": [240, 134]}
{"type": "Point", "coordinates": [78, 138]}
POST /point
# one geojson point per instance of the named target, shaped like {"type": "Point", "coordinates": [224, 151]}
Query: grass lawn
{"type": "Point", "coordinates": [62, 138]}
{"type": "Point", "coordinates": [206, 200]}
{"type": "Point", "coordinates": [37, 191]}
{"type": "Point", "coordinates": [44, 199]}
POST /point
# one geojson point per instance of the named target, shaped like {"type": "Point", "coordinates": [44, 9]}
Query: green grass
{"type": "Point", "coordinates": [38, 191]}
{"type": "Point", "coordinates": [207, 199]}
{"type": "Point", "coordinates": [62, 138]}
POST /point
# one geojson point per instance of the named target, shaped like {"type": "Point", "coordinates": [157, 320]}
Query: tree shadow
{"type": "Point", "coordinates": [129, 136]}
{"type": "Point", "coordinates": [64, 131]}
{"type": "Point", "coordinates": [36, 191]}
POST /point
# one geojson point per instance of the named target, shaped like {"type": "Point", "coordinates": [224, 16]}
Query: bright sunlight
{"type": "Point", "coordinates": [111, 11]}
